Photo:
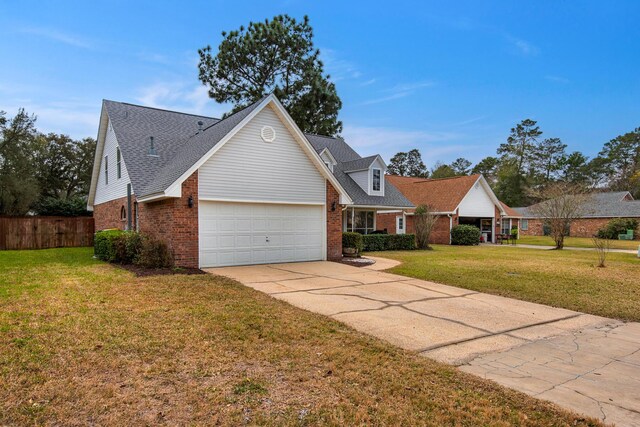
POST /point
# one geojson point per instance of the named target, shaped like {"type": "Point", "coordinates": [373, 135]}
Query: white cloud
{"type": "Point", "coordinates": [76, 118]}
{"type": "Point", "coordinates": [385, 98]}
{"type": "Point", "coordinates": [183, 97]}
{"type": "Point", "coordinates": [521, 46]}
{"type": "Point", "coordinates": [368, 82]}
{"type": "Point", "coordinates": [338, 68]}
{"type": "Point", "coordinates": [399, 91]}
{"type": "Point", "coordinates": [386, 141]}
{"type": "Point", "coordinates": [557, 79]}
{"type": "Point", "coordinates": [56, 35]}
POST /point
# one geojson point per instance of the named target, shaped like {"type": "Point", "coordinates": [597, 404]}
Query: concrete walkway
{"type": "Point", "coordinates": [585, 363]}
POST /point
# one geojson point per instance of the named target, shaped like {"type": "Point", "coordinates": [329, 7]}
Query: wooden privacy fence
{"type": "Point", "coordinates": [41, 232]}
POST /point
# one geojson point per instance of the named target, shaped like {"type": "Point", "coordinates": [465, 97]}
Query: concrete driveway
{"type": "Point", "coordinates": [585, 363]}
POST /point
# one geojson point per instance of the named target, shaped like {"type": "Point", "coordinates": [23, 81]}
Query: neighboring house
{"type": "Point", "coordinates": [599, 209]}
{"type": "Point", "coordinates": [248, 189]}
{"type": "Point", "coordinates": [457, 200]}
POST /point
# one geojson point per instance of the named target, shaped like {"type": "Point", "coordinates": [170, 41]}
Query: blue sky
{"type": "Point", "coordinates": [450, 79]}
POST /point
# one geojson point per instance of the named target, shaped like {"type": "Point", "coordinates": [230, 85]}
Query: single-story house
{"type": "Point", "coordinates": [248, 189]}
{"type": "Point", "coordinates": [599, 209]}
{"type": "Point", "coordinates": [456, 200]}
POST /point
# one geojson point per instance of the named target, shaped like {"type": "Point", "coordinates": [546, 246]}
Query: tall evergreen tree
{"type": "Point", "coordinates": [521, 144]}
{"type": "Point", "coordinates": [548, 155]}
{"type": "Point", "coordinates": [488, 167]}
{"type": "Point", "coordinates": [620, 161]}
{"type": "Point", "coordinates": [408, 164]}
{"type": "Point", "coordinates": [461, 166]}
{"type": "Point", "coordinates": [517, 155]}
{"type": "Point", "coordinates": [275, 56]}
{"type": "Point", "coordinates": [440, 170]}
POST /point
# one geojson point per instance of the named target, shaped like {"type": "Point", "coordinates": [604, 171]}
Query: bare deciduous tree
{"type": "Point", "coordinates": [602, 246]}
{"type": "Point", "coordinates": [425, 220]}
{"type": "Point", "coordinates": [562, 204]}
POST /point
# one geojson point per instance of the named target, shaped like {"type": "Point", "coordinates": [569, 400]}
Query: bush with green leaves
{"type": "Point", "coordinates": [617, 226]}
{"type": "Point", "coordinates": [104, 246]}
{"type": "Point", "coordinates": [465, 235]}
{"type": "Point", "coordinates": [129, 247]}
{"type": "Point", "coordinates": [352, 240]}
{"type": "Point", "coordinates": [154, 253]}
{"type": "Point", "coordinates": [389, 242]}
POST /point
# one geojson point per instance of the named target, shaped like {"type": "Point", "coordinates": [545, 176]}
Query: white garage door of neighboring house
{"type": "Point", "coordinates": [259, 233]}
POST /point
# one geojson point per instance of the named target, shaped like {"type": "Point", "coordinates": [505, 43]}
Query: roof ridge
{"type": "Point", "coordinates": [450, 177]}
{"type": "Point", "coordinates": [325, 136]}
{"type": "Point", "coordinates": [229, 116]}
{"type": "Point", "coordinates": [162, 109]}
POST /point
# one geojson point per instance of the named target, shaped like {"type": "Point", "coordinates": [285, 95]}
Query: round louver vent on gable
{"type": "Point", "coordinates": [268, 134]}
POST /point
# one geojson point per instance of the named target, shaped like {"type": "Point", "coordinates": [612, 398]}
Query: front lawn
{"type": "Point", "coordinates": [566, 278]}
{"type": "Point", "coordinates": [85, 343]}
{"type": "Point", "coordinates": [576, 242]}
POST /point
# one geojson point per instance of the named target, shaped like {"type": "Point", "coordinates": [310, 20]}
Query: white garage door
{"type": "Point", "coordinates": [259, 233]}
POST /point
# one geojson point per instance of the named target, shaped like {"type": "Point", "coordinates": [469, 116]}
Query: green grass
{"type": "Point", "coordinates": [83, 342]}
{"type": "Point", "coordinates": [567, 279]}
{"type": "Point", "coordinates": [577, 242]}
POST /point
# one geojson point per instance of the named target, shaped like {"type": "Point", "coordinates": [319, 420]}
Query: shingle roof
{"type": "Point", "coordinates": [358, 164]}
{"type": "Point", "coordinates": [511, 212]}
{"type": "Point", "coordinates": [344, 154]}
{"type": "Point", "coordinates": [176, 138]}
{"type": "Point", "coordinates": [180, 144]}
{"type": "Point", "coordinates": [602, 205]}
{"type": "Point", "coordinates": [442, 195]}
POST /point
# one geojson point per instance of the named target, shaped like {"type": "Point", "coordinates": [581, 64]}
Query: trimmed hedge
{"type": "Point", "coordinates": [129, 247]}
{"type": "Point", "coordinates": [104, 244]}
{"type": "Point", "coordinates": [465, 235]}
{"type": "Point", "coordinates": [352, 240]}
{"type": "Point", "coordinates": [389, 242]}
{"type": "Point", "coordinates": [617, 226]}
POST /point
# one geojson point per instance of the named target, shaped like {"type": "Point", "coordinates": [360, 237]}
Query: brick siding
{"type": "Point", "coordinates": [107, 215]}
{"type": "Point", "coordinates": [585, 227]}
{"type": "Point", "coordinates": [439, 235]}
{"type": "Point", "coordinates": [172, 221]}
{"type": "Point", "coordinates": [334, 224]}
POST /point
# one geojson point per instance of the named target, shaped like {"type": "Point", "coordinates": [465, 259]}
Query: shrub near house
{"type": "Point", "coordinates": [465, 235]}
{"type": "Point", "coordinates": [128, 247]}
{"type": "Point", "coordinates": [389, 242]}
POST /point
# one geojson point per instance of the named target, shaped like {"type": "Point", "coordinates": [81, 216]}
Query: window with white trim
{"type": "Point", "coordinates": [376, 175]}
{"type": "Point", "coordinates": [106, 170]}
{"type": "Point", "coordinates": [362, 222]}
{"type": "Point", "coordinates": [506, 226]}
{"type": "Point", "coordinates": [118, 163]}
{"type": "Point", "coordinates": [524, 224]}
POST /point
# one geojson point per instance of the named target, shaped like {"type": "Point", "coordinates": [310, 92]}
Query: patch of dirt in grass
{"type": "Point", "coordinates": [140, 271]}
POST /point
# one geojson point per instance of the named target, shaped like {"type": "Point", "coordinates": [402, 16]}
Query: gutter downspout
{"type": "Point", "coordinates": [450, 226]}
{"type": "Point", "coordinates": [129, 207]}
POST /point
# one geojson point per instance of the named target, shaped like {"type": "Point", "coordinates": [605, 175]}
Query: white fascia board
{"type": "Point", "coordinates": [97, 159]}
{"type": "Point", "coordinates": [487, 188]}
{"type": "Point", "coordinates": [379, 208]}
{"type": "Point", "coordinates": [328, 153]}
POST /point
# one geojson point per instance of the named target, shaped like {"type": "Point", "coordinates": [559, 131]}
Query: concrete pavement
{"type": "Point", "coordinates": [585, 363]}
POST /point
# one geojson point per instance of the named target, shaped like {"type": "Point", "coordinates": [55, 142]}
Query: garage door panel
{"type": "Point", "coordinates": [254, 233]}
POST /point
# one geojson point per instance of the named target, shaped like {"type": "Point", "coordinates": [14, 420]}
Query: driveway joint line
{"type": "Point", "coordinates": [504, 332]}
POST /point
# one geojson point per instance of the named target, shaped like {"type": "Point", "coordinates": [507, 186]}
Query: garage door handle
{"type": "Point", "coordinates": [267, 239]}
